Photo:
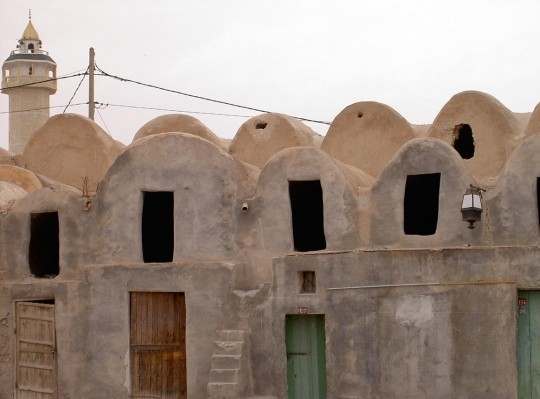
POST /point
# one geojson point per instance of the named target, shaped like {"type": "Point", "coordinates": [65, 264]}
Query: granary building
{"type": "Point", "coordinates": [280, 265]}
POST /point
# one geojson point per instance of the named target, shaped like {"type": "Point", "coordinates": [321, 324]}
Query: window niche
{"type": "Point", "coordinates": [421, 204]}
{"type": "Point", "coordinates": [307, 282]}
{"type": "Point", "coordinates": [307, 209]}
{"type": "Point", "coordinates": [464, 141]}
{"type": "Point", "coordinates": [44, 249]}
{"type": "Point", "coordinates": [158, 226]}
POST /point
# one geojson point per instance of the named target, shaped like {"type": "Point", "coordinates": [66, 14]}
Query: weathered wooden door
{"type": "Point", "coordinates": [158, 345]}
{"type": "Point", "coordinates": [306, 361]}
{"type": "Point", "coordinates": [36, 351]}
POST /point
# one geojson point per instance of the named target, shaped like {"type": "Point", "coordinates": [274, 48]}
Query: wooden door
{"type": "Point", "coordinates": [306, 361]}
{"type": "Point", "coordinates": [36, 351]}
{"type": "Point", "coordinates": [158, 345]}
{"type": "Point", "coordinates": [529, 345]}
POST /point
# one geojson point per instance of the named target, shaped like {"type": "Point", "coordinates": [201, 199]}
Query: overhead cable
{"type": "Point", "coordinates": [39, 109]}
{"type": "Point", "coordinates": [75, 92]}
{"type": "Point", "coordinates": [170, 110]}
{"type": "Point", "coordinates": [103, 73]}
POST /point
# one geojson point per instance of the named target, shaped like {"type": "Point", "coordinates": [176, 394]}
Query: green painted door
{"type": "Point", "coordinates": [529, 345]}
{"type": "Point", "coordinates": [306, 360]}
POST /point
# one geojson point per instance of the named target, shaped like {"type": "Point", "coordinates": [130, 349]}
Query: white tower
{"type": "Point", "coordinates": [27, 64]}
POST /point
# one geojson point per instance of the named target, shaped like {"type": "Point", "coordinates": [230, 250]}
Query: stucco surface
{"type": "Point", "coordinates": [23, 178]}
{"type": "Point", "coordinates": [207, 184]}
{"type": "Point", "coordinates": [366, 135]}
{"type": "Point", "coordinates": [496, 131]}
{"type": "Point", "coordinates": [68, 148]}
{"type": "Point", "coordinates": [9, 194]}
{"type": "Point", "coordinates": [421, 156]}
{"type": "Point", "coordinates": [177, 123]}
{"type": "Point", "coordinates": [533, 127]}
{"type": "Point", "coordinates": [260, 137]}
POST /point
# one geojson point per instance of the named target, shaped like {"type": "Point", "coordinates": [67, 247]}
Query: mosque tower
{"type": "Point", "coordinates": [27, 64]}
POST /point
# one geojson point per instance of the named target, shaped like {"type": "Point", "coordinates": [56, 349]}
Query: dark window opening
{"type": "Point", "coordinates": [30, 71]}
{"type": "Point", "coordinates": [261, 125]}
{"type": "Point", "coordinates": [308, 282]}
{"type": "Point", "coordinates": [464, 141]}
{"type": "Point", "coordinates": [43, 301]}
{"type": "Point", "coordinates": [538, 197]}
{"type": "Point", "coordinates": [421, 204]}
{"type": "Point", "coordinates": [307, 215]}
{"type": "Point", "coordinates": [360, 114]}
{"type": "Point", "coordinates": [31, 46]}
{"type": "Point", "coordinates": [158, 226]}
{"type": "Point", "coordinates": [44, 250]}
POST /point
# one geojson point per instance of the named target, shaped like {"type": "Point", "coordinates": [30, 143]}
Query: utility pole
{"type": "Point", "coordinates": [91, 67]}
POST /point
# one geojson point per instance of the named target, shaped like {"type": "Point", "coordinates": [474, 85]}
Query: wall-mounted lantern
{"type": "Point", "coordinates": [471, 207]}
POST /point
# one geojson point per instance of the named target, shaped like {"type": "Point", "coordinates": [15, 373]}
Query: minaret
{"type": "Point", "coordinates": [27, 64]}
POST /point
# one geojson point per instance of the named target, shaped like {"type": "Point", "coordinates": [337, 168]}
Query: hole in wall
{"type": "Point", "coordinates": [360, 114]}
{"type": "Point", "coordinates": [158, 226]}
{"type": "Point", "coordinates": [261, 125]}
{"type": "Point", "coordinates": [44, 249]}
{"type": "Point", "coordinates": [43, 301]}
{"type": "Point", "coordinates": [421, 204]}
{"type": "Point", "coordinates": [308, 282]}
{"type": "Point", "coordinates": [307, 210]}
{"type": "Point", "coordinates": [464, 140]}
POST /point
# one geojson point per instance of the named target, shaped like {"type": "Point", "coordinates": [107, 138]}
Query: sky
{"type": "Point", "coordinates": [308, 58]}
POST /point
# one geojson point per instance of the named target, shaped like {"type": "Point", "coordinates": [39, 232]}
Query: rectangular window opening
{"type": "Point", "coordinates": [44, 249]}
{"type": "Point", "coordinates": [421, 204]}
{"type": "Point", "coordinates": [307, 211]}
{"type": "Point", "coordinates": [308, 282]}
{"type": "Point", "coordinates": [158, 226]}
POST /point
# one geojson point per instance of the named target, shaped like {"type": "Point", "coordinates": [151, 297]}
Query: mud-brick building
{"type": "Point", "coordinates": [280, 265]}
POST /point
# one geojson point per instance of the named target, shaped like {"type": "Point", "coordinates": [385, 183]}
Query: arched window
{"type": "Point", "coordinates": [464, 140]}
{"type": "Point", "coordinates": [31, 47]}
{"type": "Point", "coordinates": [30, 71]}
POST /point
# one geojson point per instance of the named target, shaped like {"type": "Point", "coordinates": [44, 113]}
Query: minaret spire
{"type": "Point", "coordinates": [29, 14]}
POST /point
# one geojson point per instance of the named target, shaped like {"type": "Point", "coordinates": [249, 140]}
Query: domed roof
{"type": "Point", "coordinates": [70, 147]}
{"type": "Point", "coordinates": [177, 123]}
{"type": "Point", "coordinates": [262, 136]}
{"type": "Point", "coordinates": [30, 33]}
{"type": "Point", "coordinates": [21, 177]}
{"type": "Point", "coordinates": [366, 135]}
{"type": "Point", "coordinates": [533, 126]}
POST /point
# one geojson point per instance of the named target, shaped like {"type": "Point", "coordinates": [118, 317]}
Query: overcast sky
{"type": "Point", "coordinates": [310, 58]}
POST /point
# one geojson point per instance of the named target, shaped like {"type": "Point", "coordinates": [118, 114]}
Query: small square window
{"type": "Point", "coordinates": [308, 282]}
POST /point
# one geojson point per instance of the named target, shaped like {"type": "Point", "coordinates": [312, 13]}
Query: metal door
{"type": "Point", "coordinates": [529, 345]}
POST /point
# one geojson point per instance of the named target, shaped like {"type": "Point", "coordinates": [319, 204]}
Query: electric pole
{"type": "Point", "coordinates": [91, 67]}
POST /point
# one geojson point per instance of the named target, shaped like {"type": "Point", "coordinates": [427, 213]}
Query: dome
{"type": "Point", "coordinates": [9, 193]}
{"type": "Point", "coordinates": [260, 137]}
{"type": "Point", "coordinates": [366, 135]}
{"type": "Point", "coordinates": [70, 147]}
{"type": "Point", "coordinates": [177, 123]}
{"type": "Point", "coordinates": [30, 33]}
{"type": "Point", "coordinates": [21, 177]}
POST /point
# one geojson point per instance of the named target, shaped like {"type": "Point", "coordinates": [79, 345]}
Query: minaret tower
{"type": "Point", "coordinates": [27, 64]}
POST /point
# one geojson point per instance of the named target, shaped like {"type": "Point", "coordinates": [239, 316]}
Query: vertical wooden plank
{"type": "Point", "coordinates": [524, 346]}
{"type": "Point", "coordinates": [36, 351]}
{"type": "Point", "coordinates": [158, 353]}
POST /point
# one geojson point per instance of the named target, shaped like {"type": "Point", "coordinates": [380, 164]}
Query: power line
{"type": "Point", "coordinates": [75, 92]}
{"type": "Point", "coordinates": [45, 81]}
{"type": "Point", "coordinates": [103, 121]}
{"type": "Point", "coordinates": [103, 73]}
{"type": "Point", "coordinates": [42, 108]}
{"type": "Point", "coordinates": [171, 110]}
